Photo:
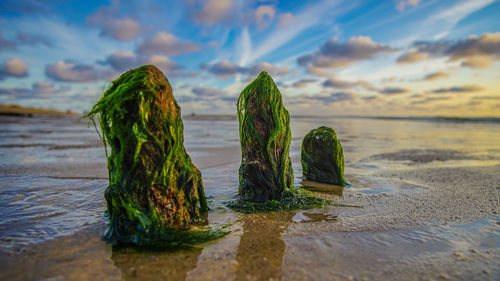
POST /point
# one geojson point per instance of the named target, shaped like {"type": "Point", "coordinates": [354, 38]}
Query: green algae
{"type": "Point", "coordinates": [291, 199]}
{"type": "Point", "coordinates": [155, 192]}
{"type": "Point", "coordinates": [264, 125]}
{"type": "Point", "coordinates": [322, 157]}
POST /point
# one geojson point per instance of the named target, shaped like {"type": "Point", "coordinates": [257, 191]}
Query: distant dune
{"type": "Point", "coordinates": [17, 110]}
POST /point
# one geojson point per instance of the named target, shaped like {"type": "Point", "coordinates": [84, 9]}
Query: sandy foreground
{"type": "Point", "coordinates": [445, 227]}
{"type": "Point", "coordinates": [417, 222]}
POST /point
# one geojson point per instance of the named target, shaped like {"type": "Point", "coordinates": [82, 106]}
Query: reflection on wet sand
{"type": "Point", "coordinates": [261, 249]}
{"type": "Point", "coordinates": [150, 264]}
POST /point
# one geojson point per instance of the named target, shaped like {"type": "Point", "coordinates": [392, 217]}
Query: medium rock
{"type": "Point", "coordinates": [322, 157]}
{"type": "Point", "coordinates": [266, 169]}
{"type": "Point", "coordinates": [153, 185]}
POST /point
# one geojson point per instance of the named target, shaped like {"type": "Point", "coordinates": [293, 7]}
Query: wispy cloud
{"type": "Point", "coordinates": [40, 89]}
{"type": "Point", "coordinates": [323, 98]}
{"type": "Point", "coordinates": [447, 18]}
{"type": "Point", "coordinates": [72, 72]}
{"type": "Point", "coordinates": [307, 18]}
{"type": "Point", "coordinates": [303, 83]}
{"type": "Point", "coordinates": [333, 54]}
{"type": "Point", "coordinates": [166, 44]}
{"type": "Point", "coordinates": [335, 82]}
{"type": "Point", "coordinates": [435, 76]}
{"type": "Point", "coordinates": [393, 91]}
{"type": "Point", "coordinates": [458, 89]}
{"type": "Point", "coordinates": [225, 69]}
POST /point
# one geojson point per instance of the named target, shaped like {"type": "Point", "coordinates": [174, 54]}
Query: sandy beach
{"type": "Point", "coordinates": [428, 194]}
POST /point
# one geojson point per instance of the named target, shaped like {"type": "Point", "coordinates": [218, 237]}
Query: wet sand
{"type": "Point", "coordinates": [425, 215]}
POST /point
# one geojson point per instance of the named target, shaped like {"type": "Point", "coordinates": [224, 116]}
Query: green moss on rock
{"type": "Point", "coordinates": [264, 124]}
{"type": "Point", "coordinates": [154, 189]}
{"type": "Point", "coordinates": [322, 157]}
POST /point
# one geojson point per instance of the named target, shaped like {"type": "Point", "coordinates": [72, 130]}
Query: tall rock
{"type": "Point", "coordinates": [264, 123]}
{"type": "Point", "coordinates": [322, 157]}
{"type": "Point", "coordinates": [153, 185]}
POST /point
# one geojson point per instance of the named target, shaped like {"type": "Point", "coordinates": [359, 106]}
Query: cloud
{"type": "Point", "coordinates": [166, 65]}
{"type": "Point", "coordinates": [491, 98]}
{"type": "Point", "coordinates": [113, 25]}
{"type": "Point", "coordinates": [402, 4]}
{"type": "Point", "coordinates": [6, 44]}
{"type": "Point", "coordinates": [334, 82]}
{"type": "Point", "coordinates": [322, 98]}
{"type": "Point", "coordinates": [476, 52]}
{"type": "Point", "coordinates": [125, 60]}
{"type": "Point", "coordinates": [435, 76]}
{"type": "Point", "coordinates": [336, 55]}
{"type": "Point", "coordinates": [429, 100]}
{"type": "Point", "coordinates": [210, 12]}
{"type": "Point", "coordinates": [208, 96]}
{"type": "Point", "coordinates": [412, 56]}
{"type": "Point", "coordinates": [207, 92]}
{"type": "Point", "coordinates": [44, 87]}
{"type": "Point", "coordinates": [32, 40]}
{"type": "Point", "coordinates": [393, 91]}
{"type": "Point", "coordinates": [335, 97]}
{"type": "Point", "coordinates": [40, 89]}
{"type": "Point", "coordinates": [122, 60]}
{"type": "Point", "coordinates": [72, 72]}
{"type": "Point", "coordinates": [286, 19]}
{"type": "Point", "coordinates": [319, 71]}
{"type": "Point", "coordinates": [273, 70]}
{"type": "Point", "coordinates": [264, 15]}
{"type": "Point", "coordinates": [303, 83]}
{"type": "Point", "coordinates": [473, 52]}
{"type": "Point", "coordinates": [457, 89]}
{"type": "Point", "coordinates": [14, 68]}
{"type": "Point", "coordinates": [166, 44]}
{"type": "Point", "coordinates": [224, 69]}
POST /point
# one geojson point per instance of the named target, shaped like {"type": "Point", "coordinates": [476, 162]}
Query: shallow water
{"type": "Point", "coordinates": [53, 175]}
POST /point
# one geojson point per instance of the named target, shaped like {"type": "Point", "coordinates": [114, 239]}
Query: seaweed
{"type": "Point", "coordinates": [264, 125]}
{"type": "Point", "coordinates": [322, 157]}
{"type": "Point", "coordinates": [291, 199]}
{"type": "Point", "coordinates": [155, 192]}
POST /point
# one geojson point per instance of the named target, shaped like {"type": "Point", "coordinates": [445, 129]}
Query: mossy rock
{"type": "Point", "coordinates": [264, 124]}
{"type": "Point", "coordinates": [322, 157]}
{"type": "Point", "coordinates": [155, 192]}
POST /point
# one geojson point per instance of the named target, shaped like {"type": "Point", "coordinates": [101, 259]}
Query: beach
{"type": "Point", "coordinates": [424, 197]}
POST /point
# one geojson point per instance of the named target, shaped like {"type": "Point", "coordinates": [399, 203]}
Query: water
{"type": "Point", "coordinates": [53, 174]}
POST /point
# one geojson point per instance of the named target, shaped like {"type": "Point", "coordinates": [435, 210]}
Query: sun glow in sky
{"type": "Point", "coordinates": [328, 57]}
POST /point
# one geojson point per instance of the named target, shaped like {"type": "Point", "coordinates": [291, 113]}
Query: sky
{"type": "Point", "coordinates": [327, 57]}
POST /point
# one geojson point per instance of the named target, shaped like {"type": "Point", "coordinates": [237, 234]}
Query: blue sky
{"type": "Point", "coordinates": [401, 57]}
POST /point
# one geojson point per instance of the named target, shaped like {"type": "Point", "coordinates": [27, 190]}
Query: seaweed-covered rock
{"type": "Point", "coordinates": [322, 157]}
{"type": "Point", "coordinates": [266, 169]}
{"type": "Point", "coordinates": [154, 188]}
